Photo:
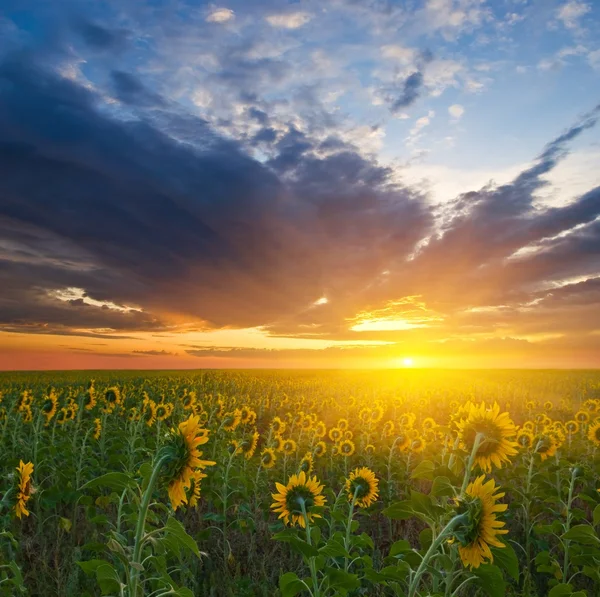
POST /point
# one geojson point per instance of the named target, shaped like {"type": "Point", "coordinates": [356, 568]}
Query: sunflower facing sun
{"type": "Point", "coordinates": [481, 529]}
{"type": "Point", "coordinates": [301, 494]}
{"type": "Point", "coordinates": [495, 431]}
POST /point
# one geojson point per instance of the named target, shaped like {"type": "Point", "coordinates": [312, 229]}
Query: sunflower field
{"type": "Point", "coordinates": [313, 483]}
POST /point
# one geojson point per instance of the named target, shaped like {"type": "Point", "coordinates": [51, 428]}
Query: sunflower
{"type": "Point", "coordinates": [232, 419]}
{"type": "Point", "coordinates": [306, 464]}
{"type": "Point", "coordinates": [529, 425]}
{"type": "Point", "coordinates": [572, 427]}
{"type": "Point", "coordinates": [320, 449]}
{"type": "Point", "coordinates": [133, 414]}
{"type": "Point", "coordinates": [89, 398]}
{"type": "Point", "coordinates": [525, 439]}
{"type": "Point", "coordinates": [249, 445]}
{"type": "Point", "coordinates": [363, 486]}
{"type": "Point", "coordinates": [112, 399]}
{"type": "Point", "coordinates": [288, 446]}
{"type": "Point", "coordinates": [184, 458]}
{"type": "Point", "coordinates": [335, 434]}
{"type": "Point", "coordinates": [299, 496]}
{"type": "Point", "coordinates": [417, 445]}
{"type": "Point", "coordinates": [346, 447]}
{"type": "Point", "coordinates": [268, 458]}
{"type": "Point", "coordinates": [320, 429]}
{"type": "Point", "coordinates": [429, 424]}
{"type": "Point", "coordinates": [407, 419]}
{"type": "Point", "coordinates": [163, 410]}
{"type": "Point", "coordinates": [376, 414]}
{"type": "Point", "coordinates": [591, 405]}
{"type": "Point", "coordinates": [342, 424]}
{"type": "Point", "coordinates": [594, 433]}
{"type": "Point", "coordinates": [61, 416]}
{"type": "Point", "coordinates": [27, 414]}
{"type": "Point", "coordinates": [480, 506]}
{"type": "Point", "coordinates": [193, 493]}
{"type": "Point", "coordinates": [348, 434]}
{"type": "Point", "coordinates": [388, 428]}
{"type": "Point", "coordinates": [24, 488]}
{"type": "Point", "coordinates": [149, 412]}
{"type": "Point", "coordinates": [402, 441]}
{"type": "Point", "coordinates": [97, 428]}
{"type": "Point", "coordinates": [582, 416]}
{"type": "Point", "coordinates": [548, 405]}
{"type": "Point", "coordinates": [49, 406]}
{"type": "Point", "coordinates": [495, 430]}
{"type": "Point", "coordinates": [278, 426]}
{"type": "Point", "coordinates": [544, 445]}
{"type": "Point", "coordinates": [189, 401]}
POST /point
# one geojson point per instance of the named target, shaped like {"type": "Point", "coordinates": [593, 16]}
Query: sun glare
{"type": "Point", "coordinates": [408, 362]}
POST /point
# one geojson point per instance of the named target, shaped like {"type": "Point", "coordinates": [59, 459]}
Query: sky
{"type": "Point", "coordinates": [350, 183]}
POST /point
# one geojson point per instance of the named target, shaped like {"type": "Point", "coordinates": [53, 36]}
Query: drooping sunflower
{"type": "Point", "coordinates": [481, 528]}
{"type": "Point", "coordinates": [496, 430]}
{"type": "Point", "coordinates": [268, 458]}
{"type": "Point", "coordinates": [89, 398]}
{"type": "Point", "coordinates": [149, 412]}
{"type": "Point", "coordinates": [594, 433]}
{"type": "Point", "coordinates": [184, 458]}
{"type": "Point", "coordinates": [188, 401]}
{"type": "Point", "coordinates": [346, 447]}
{"type": "Point", "coordinates": [24, 488]}
{"type": "Point", "coordinates": [407, 419]}
{"type": "Point", "coordinates": [363, 484]}
{"type": "Point", "coordinates": [529, 425]}
{"type": "Point", "coordinates": [306, 464]}
{"type": "Point", "coordinates": [301, 494]}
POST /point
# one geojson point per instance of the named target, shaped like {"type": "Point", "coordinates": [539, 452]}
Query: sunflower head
{"type": "Point", "coordinates": [572, 426]}
{"type": "Point", "coordinates": [479, 529]}
{"type": "Point", "coordinates": [24, 489]}
{"type": "Point", "coordinates": [594, 433]}
{"type": "Point", "coordinates": [363, 486]}
{"type": "Point", "coordinates": [183, 459]}
{"type": "Point", "coordinates": [268, 458]}
{"type": "Point", "coordinates": [288, 446]}
{"type": "Point", "coordinates": [525, 439]}
{"type": "Point", "coordinates": [493, 430]}
{"type": "Point", "coordinates": [307, 463]}
{"type": "Point", "coordinates": [346, 447]}
{"type": "Point", "coordinates": [297, 500]}
{"type": "Point", "coordinates": [544, 445]}
{"type": "Point", "coordinates": [320, 449]}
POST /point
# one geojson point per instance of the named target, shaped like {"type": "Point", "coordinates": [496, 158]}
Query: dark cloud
{"type": "Point", "coordinates": [187, 225]}
{"type": "Point", "coordinates": [99, 37]}
{"type": "Point", "coordinates": [130, 90]}
{"type": "Point", "coordinates": [411, 91]}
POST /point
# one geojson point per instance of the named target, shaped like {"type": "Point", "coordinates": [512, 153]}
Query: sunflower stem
{"type": "Point", "coordinates": [568, 522]}
{"type": "Point", "coordinates": [141, 525]}
{"type": "Point", "coordinates": [311, 560]}
{"type": "Point", "coordinates": [349, 527]}
{"type": "Point", "coordinates": [470, 462]}
{"type": "Point", "coordinates": [447, 530]}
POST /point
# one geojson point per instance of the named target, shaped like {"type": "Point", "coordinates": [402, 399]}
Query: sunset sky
{"type": "Point", "coordinates": [260, 183]}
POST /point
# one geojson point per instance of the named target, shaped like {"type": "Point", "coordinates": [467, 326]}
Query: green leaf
{"type": "Point", "coordinates": [399, 510]}
{"type": "Point", "coordinates": [108, 579]}
{"type": "Point", "coordinates": [90, 566]}
{"type": "Point", "coordinates": [582, 533]}
{"type": "Point", "coordinates": [562, 590]}
{"type": "Point", "coordinates": [341, 579]}
{"type": "Point", "coordinates": [490, 580]}
{"type": "Point", "coordinates": [442, 486]}
{"type": "Point", "coordinates": [290, 584]}
{"type": "Point", "coordinates": [297, 544]}
{"type": "Point", "coordinates": [423, 470]}
{"type": "Point", "coordinates": [401, 546]}
{"type": "Point", "coordinates": [114, 481]}
{"type": "Point", "coordinates": [597, 515]}
{"type": "Point", "coordinates": [506, 558]}
{"type": "Point", "coordinates": [175, 529]}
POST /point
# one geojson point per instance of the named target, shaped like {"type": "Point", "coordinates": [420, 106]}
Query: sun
{"type": "Point", "coordinates": [408, 362]}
